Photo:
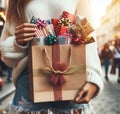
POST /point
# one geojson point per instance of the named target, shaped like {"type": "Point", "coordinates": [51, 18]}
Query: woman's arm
{"type": "Point", "coordinates": [11, 49]}
{"type": "Point", "coordinates": [94, 83]}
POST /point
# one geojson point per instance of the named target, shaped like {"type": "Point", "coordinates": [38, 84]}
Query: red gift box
{"type": "Point", "coordinates": [70, 16]}
{"type": "Point", "coordinates": [59, 30]}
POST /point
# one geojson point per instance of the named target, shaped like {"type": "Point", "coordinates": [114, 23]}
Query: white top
{"type": "Point", "coordinates": [117, 53]}
{"type": "Point", "coordinates": [16, 56]}
{"type": "Point", "coordinates": [48, 9]}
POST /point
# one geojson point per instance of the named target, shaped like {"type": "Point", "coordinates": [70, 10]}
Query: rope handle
{"type": "Point", "coordinates": [45, 53]}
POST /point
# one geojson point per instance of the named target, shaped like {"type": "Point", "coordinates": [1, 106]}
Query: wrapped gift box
{"type": "Point", "coordinates": [82, 28]}
{"type": "Point", "coordinates": [59, 29]}
{"type": "Point", "coordinates": [56, 72]}
{"type": "Point", "coordinates": [70, 16]}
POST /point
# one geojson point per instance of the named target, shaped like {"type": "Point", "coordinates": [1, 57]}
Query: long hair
{"type": "Point", "coordinates": [15, 11]}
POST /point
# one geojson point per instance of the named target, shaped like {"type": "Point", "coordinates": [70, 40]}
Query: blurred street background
{"type": "Point", "coordinates": [106, 22]}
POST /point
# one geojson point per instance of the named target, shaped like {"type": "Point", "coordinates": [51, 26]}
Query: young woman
{"type": "Point", "coordinates": [14, 46]}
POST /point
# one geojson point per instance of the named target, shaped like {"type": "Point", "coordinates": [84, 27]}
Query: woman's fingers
{"type": "Point", "coordinates": [25, 32]}
{"type": "Point", "coordinates": [81, 96]}
{"type": "Point", "coordinates": [25, 28]}
{"type": "Point", "coordinates": [25, 35]}
{"type": "Point", "coordinates": [25, 25]}
{"type": "Point", "coordinates": [21, 41]}
{"type": "Point", "coordinates": [92, 90]}
{"type": "Point", "coordinates": [86, 93]}
{"type": "Point", "coordinates": [85, 99]}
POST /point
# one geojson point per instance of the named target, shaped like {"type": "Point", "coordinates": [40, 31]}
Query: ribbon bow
{"type": "Point", "coordinates": [64, 22]}
{"type": "Point", "coordinates": [58, 78]}
{"type": "Point", "coordinates": [40, 23]}
{"type": "Point", "coordinates": [51, 39]}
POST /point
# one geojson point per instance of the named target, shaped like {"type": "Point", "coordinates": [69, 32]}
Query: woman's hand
{"type": "Point", "coordinates": [24, 33]}
{"type": "Point", "coordinates": [86, 93]}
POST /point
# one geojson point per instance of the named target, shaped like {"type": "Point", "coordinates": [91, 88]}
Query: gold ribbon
{"type": "Point", "coordinates": [72, 70]}
{"type": "Point", "coordinates": [64, 22]}
{"type": "Point", "coordinates": [85, 27]}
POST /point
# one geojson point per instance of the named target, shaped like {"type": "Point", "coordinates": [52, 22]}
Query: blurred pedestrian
{"type": "Point", "coordinates": [116, 56]}
{"type": "Point", "coordinates": [105, 57]}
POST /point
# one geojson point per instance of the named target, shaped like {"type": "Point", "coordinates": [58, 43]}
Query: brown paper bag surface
{"type": "Point", "coordinates": [41, 71]}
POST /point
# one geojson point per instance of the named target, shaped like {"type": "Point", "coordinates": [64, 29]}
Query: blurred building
{"type": "Point", "coordinates": [3, 7]}
{"type": "Point", "coordinates": [110, 24]}
{"type": "Point", "coordinates": [2, 4]}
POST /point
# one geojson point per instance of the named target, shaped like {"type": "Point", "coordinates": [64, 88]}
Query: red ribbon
{"type": "Point", "coordinates": [58, 79]}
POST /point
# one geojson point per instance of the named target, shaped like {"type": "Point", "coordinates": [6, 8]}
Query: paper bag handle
{"type": "Point", "coordinates": [50, 64]}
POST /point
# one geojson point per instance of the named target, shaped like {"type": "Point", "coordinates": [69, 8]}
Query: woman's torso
{"type": "Point", "coordinates": [47, 9]}
{"type": "Point", "coordinates": [106, 54]}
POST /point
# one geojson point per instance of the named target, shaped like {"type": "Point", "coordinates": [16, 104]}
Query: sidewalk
{"type": "Point", "coordinates": [108, 102]}
{"type": "Point", "coordinates": [5, 95]}
{"type": "Point", "coordinates": [7, 89]}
